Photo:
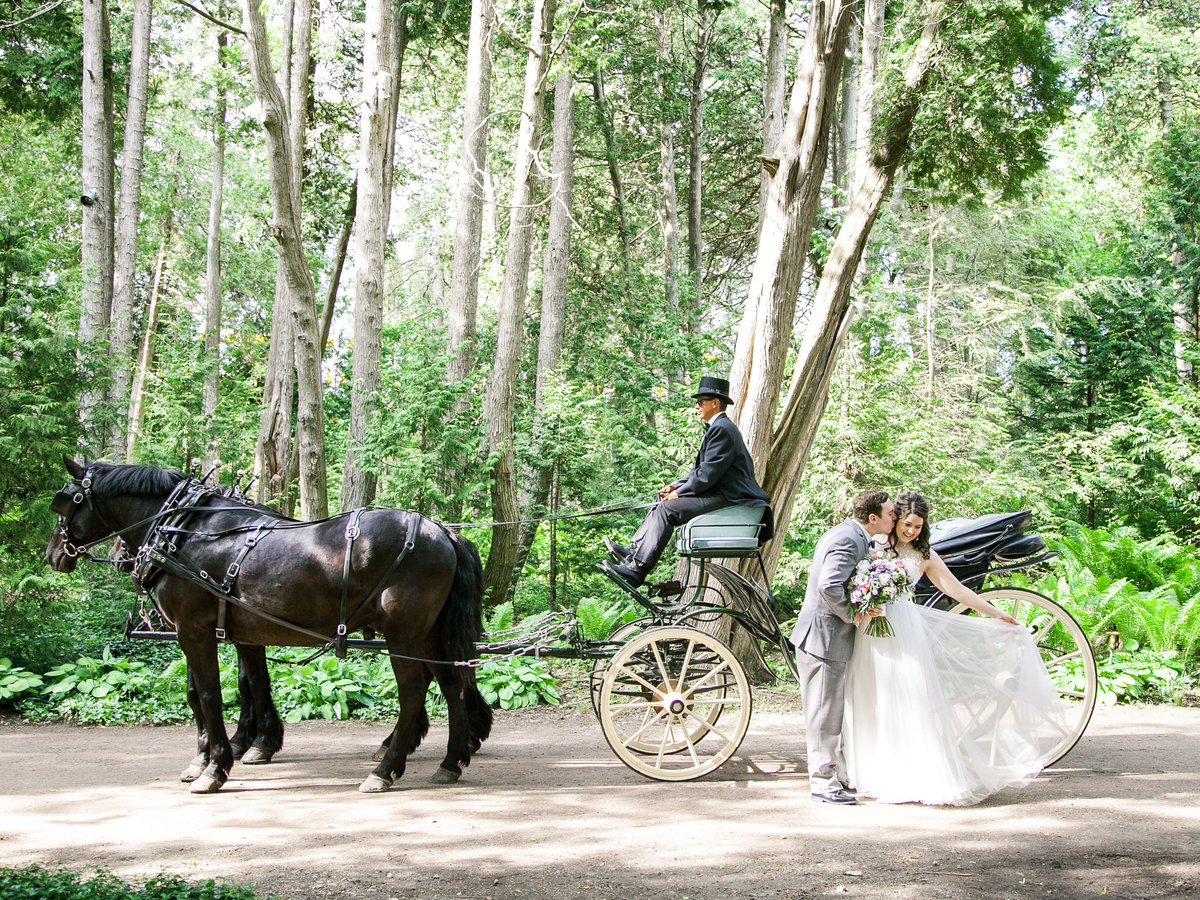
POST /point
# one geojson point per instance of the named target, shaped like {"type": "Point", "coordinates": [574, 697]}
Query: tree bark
{"type": "Point", "coordinates": [666, 169]}
{"type": "Point", "coordinates": [468, 227]}
{"type": "Point", "coordinates": [358, 485]}
{"type": "Point", "coordinates": [212, 271]}
{"type": "Point", "coordinates": [120, 344]}
{"type": "Point", "coordinates": [500, 401]}
{"type": "Point", "coordinates": [137, 391]}
{"type": "Point", "coordinates": [832, 313]}
{"type": "Point", "coordinates": [287, 230]}
{"type": "Point", "coordinates": [774, 95]}
{"type": "Point", "coordinates": [868, 74]}
{"type": "Point", "coordinates": [792, 204]}
{"type": "Point", "coordinates": [554, 296]}
{"type": "Point", "coordinates": [95, 295]}
{"type": "Point", "coordinates": [847, 131]}
{"type": "Point", "coordinates": [704, 29]}
{"type": "Point", "coordinates": [614, 173]}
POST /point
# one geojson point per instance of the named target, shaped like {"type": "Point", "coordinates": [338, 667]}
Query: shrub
{"type": "Point", "coordinates": [16, 682]}
{"type": "Point", "coordinates": [36, 883]}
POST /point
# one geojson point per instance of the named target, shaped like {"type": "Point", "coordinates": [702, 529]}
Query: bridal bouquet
{"type": "Point", "coordinates": [878, 581]}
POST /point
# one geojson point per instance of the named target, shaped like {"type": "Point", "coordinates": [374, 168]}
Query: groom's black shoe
{"type": "Point", "coordinates": [618, 553]}
{"type": "Point", "coordinates": [836, 795]}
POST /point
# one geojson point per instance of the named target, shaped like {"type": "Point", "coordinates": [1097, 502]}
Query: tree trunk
{"type": "Point", "coordinates": [766, 329]}
{"type": "Point", "coordinates": [468, 227]}
{"type": "Point", "coordinates": [848, 121]}
{"type": "Point", "coordinates": [831, 313]}
{"type": "Point", "coordinates": [339, 262]}
{"type": "Point", "coordinates": [500, 401]}
{"type": "Point", "coordinates": [774, 94]}
{"type": "Point", "coordinates": [868, 74]}
{"type": "Point", "coordinates": [358, 485]}
{"type": "Point", "coordinates": [137, 391]}
{"type": "Point", "coordinates": [666, 170]}
{"type": "Point", "coordinates": [212, 272]}
{"type": "Point", "coordinates": [287, 230]}
{"type": "Point", "coordinates": [704, 29]}
{"type": "Point", "coordinates": [614, 173]}
{"type": "Point", "coordinates": [554, 297]}
{"type": "Point", "coordinates": [120, 345]}
{"type": "Point", "coordinates": [95, 294]}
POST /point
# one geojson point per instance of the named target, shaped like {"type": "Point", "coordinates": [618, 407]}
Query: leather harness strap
{"type": "Point", "coordinates": [352, 533]}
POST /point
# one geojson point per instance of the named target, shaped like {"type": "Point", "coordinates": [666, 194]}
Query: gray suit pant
{"type": "Point", "coordinates": [652, 538]}
{"type": "Point", "coordinates": [823, 693]}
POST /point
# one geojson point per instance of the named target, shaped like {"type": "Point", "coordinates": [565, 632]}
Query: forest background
{"type": "Point", "coordinates": [471, 259]}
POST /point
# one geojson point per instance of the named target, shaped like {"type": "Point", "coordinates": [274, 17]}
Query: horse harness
{"type": "Point", "coordinates": [161, 553]}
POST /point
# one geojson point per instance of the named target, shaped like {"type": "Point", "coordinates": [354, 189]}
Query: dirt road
{"type": "Point", "coordinates": [547, 811]}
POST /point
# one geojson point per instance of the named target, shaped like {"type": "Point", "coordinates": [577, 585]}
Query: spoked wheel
{"type": "Point", "coordinates": [1065, 650]}
{"type": "Point", "coordinates": [622, 632]}
{"type": "Point", "coordinates": [660, 700]}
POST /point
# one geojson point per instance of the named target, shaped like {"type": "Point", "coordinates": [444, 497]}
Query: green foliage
{"type": "Point", "coordinates": [1129, 677]}
{"type": "Point", "coordinates": [996, 90]}
{"type": "Point", "coordinates": [326, 688]}
{"type": "Point", "coordinates": [37, 883]}
{"type": "Point", "coordinates": [96, 678]}
{"type": "Point", "coordinates": [15, 681]}
{"type": "Point", "coordinates": [597, 618]}
{"type": "Point", "coordinates": [516, 682]}
{"type": "Point", "coordinates": [1126, 593]}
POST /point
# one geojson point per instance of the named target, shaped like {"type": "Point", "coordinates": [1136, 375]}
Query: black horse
{"type": "Point", "coordinates": [219, 569]}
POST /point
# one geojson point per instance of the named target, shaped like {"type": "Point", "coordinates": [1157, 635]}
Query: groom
{"type": "Point", "coordinates": [824, 638]}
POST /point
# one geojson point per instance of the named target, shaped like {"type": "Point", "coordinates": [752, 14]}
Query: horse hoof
{"type": "Point", "coordinates": [373, 784]}
{"type": "Point", "coordinates": [444, 776]}
{"type": "Point", "coordinates": [256, 757]}
{"type": "Point", "coordinates": [206, 784]}
{"type": "Point", "coordinates": [191, 773]}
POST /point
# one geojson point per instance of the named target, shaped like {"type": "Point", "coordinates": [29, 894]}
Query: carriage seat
{"type": "Point", "coordinates": [731, 531]}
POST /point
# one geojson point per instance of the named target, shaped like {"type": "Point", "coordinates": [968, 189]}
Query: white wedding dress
{"type": "Point", "coordinates": [948, 710]}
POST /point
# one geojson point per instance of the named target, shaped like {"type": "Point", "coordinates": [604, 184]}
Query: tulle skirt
{"type": "Point", "coordinates": [948, 710]}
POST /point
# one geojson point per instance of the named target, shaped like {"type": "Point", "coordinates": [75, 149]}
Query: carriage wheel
{"type": "Point", "coordinates": [697, 726]}
{"type": "Point", "coordinates": [660, 700]}
{"type": "Point", "coordinates": [1065, 650]}
{"type": "Point", "coordinates": [622, 632]}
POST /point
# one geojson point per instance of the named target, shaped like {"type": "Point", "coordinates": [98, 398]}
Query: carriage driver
{"type": "Point", "coordinates": [723, 476]}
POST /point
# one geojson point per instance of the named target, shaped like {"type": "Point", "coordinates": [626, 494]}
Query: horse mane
{"type": "Point", "coordinates": [138, 480]}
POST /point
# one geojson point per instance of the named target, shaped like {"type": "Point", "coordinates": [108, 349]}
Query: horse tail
{"type": "Point", "coordinates": [461, 622]}
{"type": "Point", "coordinates": [461, 619]}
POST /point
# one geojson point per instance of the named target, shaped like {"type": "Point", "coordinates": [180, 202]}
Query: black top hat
{"type": "Point", "coordinates": [713, 387]}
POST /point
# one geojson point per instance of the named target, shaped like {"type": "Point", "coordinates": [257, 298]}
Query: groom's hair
{"type": "Point", "coordinates": [869, 503]}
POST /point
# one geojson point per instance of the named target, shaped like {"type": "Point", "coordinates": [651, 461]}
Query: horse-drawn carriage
{"type": "Point", "coordinates": [673, 700]}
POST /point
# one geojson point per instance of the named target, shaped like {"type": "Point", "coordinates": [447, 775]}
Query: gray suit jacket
{"type": "Point", "coordinates": [825, 627]}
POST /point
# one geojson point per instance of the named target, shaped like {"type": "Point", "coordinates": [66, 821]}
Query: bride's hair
{"type": "Point", "coordinates": [909, 503]}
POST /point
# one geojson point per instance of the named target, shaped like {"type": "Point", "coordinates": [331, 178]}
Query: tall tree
{"type": "Point", "coordinates": [121, 328]}
{"type": "Point", "coordinates": [500, 402]}
{"type": "Point", "coordinates": [468, 223]}
{"type": "Point", "coordinates": [98, 202]}
{"type": "Point", "coordinates": [287, 229]}
{"type": "Point", "coordinates": [212, 268]}
{"type": "Point", "coordinates": [358, 484]}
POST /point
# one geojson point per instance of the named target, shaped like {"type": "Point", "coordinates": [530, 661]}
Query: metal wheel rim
{"type": "Point", "coordinates": [1059, 646]}
{"type": "Point", "coordinates": [657, 699]}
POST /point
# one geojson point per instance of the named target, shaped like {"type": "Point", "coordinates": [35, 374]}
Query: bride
{"type": "Point", "coordinates": [951, 708]}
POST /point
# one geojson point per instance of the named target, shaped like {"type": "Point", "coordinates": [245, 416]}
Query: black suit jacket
{"type": "Point", "coordinates": [724, 467]}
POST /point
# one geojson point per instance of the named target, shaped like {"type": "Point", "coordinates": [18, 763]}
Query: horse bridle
{"type": "Point", "coordinates": [84, 495]}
